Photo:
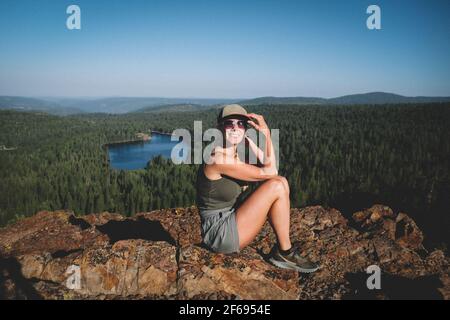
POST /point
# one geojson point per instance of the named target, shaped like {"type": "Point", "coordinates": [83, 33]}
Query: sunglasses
{"type": "Point", "coordinates": [229, 124]}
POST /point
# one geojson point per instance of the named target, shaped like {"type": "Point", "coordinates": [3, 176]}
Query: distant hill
{"type": "Point", "coordinates": [33, 104]}
{"type": "Point", "coordinates": [182, 107]}
{"type": "Point", "coordinates": [65, 106]}
{"type": "Point", "coordinates": [131, 104]}
{"type": "Point", "coordinates": [118, 105]}
{"type": "Point", "coordinates": [363, 98]}
{"type": "Point", "coordinates": [283, 100]}
{"type": "Point", "coordinates": [382, 98]}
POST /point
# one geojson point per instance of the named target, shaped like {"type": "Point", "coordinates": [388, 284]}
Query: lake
{"type": "Point", "coordinates": [133, 156]}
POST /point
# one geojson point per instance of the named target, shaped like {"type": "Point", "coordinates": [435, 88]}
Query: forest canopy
{"type": "Point", "coordinates": [348, 157]}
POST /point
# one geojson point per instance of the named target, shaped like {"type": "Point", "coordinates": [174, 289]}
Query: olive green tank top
{"type": "Point", "coordinates": [217, 194]}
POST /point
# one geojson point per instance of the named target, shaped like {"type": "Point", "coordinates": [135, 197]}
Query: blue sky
{"type": "Point", "coordinates": [224, 49]}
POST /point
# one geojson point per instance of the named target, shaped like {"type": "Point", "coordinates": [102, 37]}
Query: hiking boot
{"type": "Point", "coordinates": [292, 260]}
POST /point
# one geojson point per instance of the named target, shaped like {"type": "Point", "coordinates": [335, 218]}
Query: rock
{"type": "Point", "coordinates": [372, 215]}
{"type": "Point", "coordinates": [50, 232]}
{"type": "Point", "coordinates": [401, 228]}
{"type": "Point", "coordinates": [158, 255]}
{"type": "Point", "coordinates": [407, 233]}
{"type": "Point", "coordinates": [183, 225]}
{"type": "Point", "coordinates": [98, 219]}
{"type": "Point", "coordinates": [244, 275]}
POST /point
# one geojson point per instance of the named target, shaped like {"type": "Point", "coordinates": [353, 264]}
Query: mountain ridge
{"type": "Point", "coordinates": [121, 105]}
{"type": "Point", "coordinates": [376, 97]}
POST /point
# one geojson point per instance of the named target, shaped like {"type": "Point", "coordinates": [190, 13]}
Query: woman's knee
{"type": "Point", "coordinates": [278, 185]}
{"type": "Point", "coordinates": [285, 183]}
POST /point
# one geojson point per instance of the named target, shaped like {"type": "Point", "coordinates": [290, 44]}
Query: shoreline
{"type": "Point", "coordinates": [136, 140]}
{"type": "Point", "coordinates": [159, 132]}
{"type": "Point", "coordinates": [130, 141]}
{"type": "Point", "coordinates": [5, 148]}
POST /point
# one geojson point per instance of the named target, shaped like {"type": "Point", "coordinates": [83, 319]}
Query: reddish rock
{"type": "Point", "coordinates": [407, 233]}
{"type": "Point", "coordinates": [183, 224]}
{"type": "Point", "coordinates": [373, 215]}
{"type": "Point", "coordinates": [48, 232]}
{"type": "Point", "coordinates": [98, 219]}
{"type": "Point", "coordinates": [157, 255]}
{"type": "Point", "coordinates": [244, 275]}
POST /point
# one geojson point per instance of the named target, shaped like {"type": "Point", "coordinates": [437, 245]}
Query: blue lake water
{"type": "Point", "coordinates": [133, 156]}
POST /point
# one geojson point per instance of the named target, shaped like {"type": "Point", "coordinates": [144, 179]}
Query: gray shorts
{"type": "Point", "coordinates": [219, 230]}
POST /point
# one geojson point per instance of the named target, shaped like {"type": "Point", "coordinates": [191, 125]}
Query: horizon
{"type": "Point", "coordinates": [188, 50]}
{"type": "Point", "coordinates": [212, 98]}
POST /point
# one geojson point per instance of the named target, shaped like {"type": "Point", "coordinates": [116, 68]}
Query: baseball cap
{"type": "Point", "coordinates": [232, 111]}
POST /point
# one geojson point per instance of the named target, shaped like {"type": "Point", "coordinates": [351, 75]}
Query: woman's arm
{"type": "Point", "coordinates": [237, 169]}
{"type": "Point", "coordinates": [269, 160]}
{"type": "Point", "coordinates": [256, 150]}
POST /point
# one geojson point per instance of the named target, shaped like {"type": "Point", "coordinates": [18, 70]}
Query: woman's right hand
{"type": "Point", "coordinates": [261, 125]}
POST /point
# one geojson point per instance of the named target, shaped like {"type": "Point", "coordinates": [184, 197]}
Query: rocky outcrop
{"type": "Point", "coordinates": [158, 255]}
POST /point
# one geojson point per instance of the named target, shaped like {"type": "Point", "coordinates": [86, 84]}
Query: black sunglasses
{"type": "Point", "coordinates": [229, 124]}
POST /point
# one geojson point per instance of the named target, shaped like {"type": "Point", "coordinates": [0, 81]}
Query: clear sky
{"type": "Point", "coordinates": [224, 48]}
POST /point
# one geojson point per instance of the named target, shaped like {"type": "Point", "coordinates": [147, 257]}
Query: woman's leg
{"type": "Point", "coordinates": [271, 199]}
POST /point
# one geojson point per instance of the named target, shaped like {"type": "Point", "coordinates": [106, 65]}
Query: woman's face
{"type": "Point", "coordinates": [234, 130]}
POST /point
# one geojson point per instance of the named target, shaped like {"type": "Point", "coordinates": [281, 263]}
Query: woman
{"type": "Point", "coordinates": [227, 225]}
